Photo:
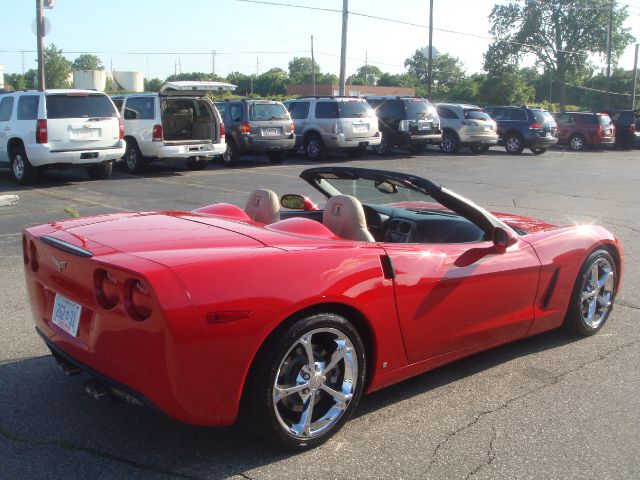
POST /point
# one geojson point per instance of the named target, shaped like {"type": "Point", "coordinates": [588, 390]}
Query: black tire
{"type": "Point", "coordinates": [284, 360]}
{"type": "Point", "coordinates": [385, 147]}
{"type": "Point", "coordinates": [277, 157]}
{"type": "Point", "coordinates": [418, 148]}
{"type": "Point", "coordinates": [575, 321]}
{"type": "Point", "coordinates": [539, 151]}
{"type": "Point", "coordinates": [21, 169]}
{"type": "Point", "coordinates": [514, 144]}
{"type": "Point", "coordinates": [576, 143]}
{"type": "Point", "coordinates": [231, 155]}
{"type": "Point", "coordinates": [480, 149]}
{"type": "Point", "coordinates": [450, 143]}
{"type": "Point", "coordinates": [101, 171]}
{"type": "Point", "coordinates": [314, 147]}
{"type": "Point", "coordinates": [197, 163]}
{"type": "Point", "coordinates": [134, 162]}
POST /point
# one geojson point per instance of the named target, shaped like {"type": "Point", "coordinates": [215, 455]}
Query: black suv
{"type": "Point", "coordinates": [256, 126]}
{"type": "Point", "coordinates": [524, 127]}
{"type": "Point", "coordinates": [406, 122]}
{"type": "Point", "coordinates": [627, 124]}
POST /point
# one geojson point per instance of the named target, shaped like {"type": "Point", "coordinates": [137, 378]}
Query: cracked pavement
{"type": "Point", "coordinates": [551, 406]}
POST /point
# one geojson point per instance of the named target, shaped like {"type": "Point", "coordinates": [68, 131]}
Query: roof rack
{"type": "Point", "coordinates": [327, 96]}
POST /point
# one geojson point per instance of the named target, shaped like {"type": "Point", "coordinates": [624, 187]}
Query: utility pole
{"type": "Point", "coordinates": [313, 68]}
{"type": "Point", "coordinates": [635, 78]}
{"type": "Point", "coordinates": [366, 67]}
{"type": "Point", "coordinates": [257, 66]}
{"type": "Point", "coordinates": [607, 98]}
{"type": "Point", "coordinates": [40, 35]}
{"type": "Point", "coordinates": [23, 62]}
{"type": "Point", "coordinates": [213, 62]}
{"type": "Point", "coordinates": [343, 49]}
{"type": "Point", "coordinates": [430, 53]}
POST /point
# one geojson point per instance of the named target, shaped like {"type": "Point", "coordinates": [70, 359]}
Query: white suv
{"type": "Point", "coordinates": [178, 122]}
{"type": "Point", "coordinates": [59, 129]}
{"type": "Point", "coordinates": [466, 126]}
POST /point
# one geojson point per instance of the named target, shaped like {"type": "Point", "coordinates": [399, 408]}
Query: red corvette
{"type": "Point", "coordinates": [287, 317]}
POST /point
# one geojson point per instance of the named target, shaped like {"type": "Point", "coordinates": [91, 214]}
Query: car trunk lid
{"type": "Point", "coordinates": [193, 88]}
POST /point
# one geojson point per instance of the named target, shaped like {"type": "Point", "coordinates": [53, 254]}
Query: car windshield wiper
{"type": "Point", "coordinates": [277, 118]}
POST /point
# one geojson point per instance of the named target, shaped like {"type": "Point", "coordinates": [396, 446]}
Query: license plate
{"type": "Point", "coordinates": [360, 127]}
{"type": "Point", "coordinates": [66, 315]}
{"type": "Point", "coordinates": [85, 134]}
{"type": "Point", "coordinates": [424, 126]}
{"type": "Point", "coordinates": [270, 132]}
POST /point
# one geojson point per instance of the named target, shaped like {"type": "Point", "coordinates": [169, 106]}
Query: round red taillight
{"type": "Point", "coordinates": [107, 289]}
{"type": "Point", "coordinates": [34, 257]}
{"type": "Point", "coordinates": [25, 250]}
{"type": "Point", "coordinates": [139, 299]}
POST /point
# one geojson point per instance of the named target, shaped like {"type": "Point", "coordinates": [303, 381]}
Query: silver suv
{"type": "Point", "coordinates": [327, 123]}
{"type": "Point", "coordinates": [466, 126]}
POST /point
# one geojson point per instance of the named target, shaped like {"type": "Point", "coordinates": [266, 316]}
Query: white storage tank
{"type": "Point", "coordinates": [1, 76]}
{"type": "Point", "coordinates": [90, 79]}
{"type": "Point", "coordinates": [128, 81]}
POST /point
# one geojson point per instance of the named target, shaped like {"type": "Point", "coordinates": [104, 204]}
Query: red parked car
{"type": "Point", "coordinates": [288, 316]}
{"type": "Point", "coordinates": [580, 130]}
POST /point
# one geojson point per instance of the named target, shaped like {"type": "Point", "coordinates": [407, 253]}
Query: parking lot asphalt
{"type": "Point", "coordinates": [552, 406]}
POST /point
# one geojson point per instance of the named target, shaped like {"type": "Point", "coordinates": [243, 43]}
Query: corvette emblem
{"type": "Point", "coordinates": [59, 264]}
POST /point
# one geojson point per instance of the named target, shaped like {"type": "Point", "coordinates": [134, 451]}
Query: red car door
{"type": "Point", "coordinates": [454, 296]}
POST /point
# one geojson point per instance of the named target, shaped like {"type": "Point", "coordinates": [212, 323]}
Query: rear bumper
{"type": "Point", "coordinates": [406, 139]}
{"type": "Point", "coordinates": [262, 145]}
{"type": "Point", "coordinates": [164, 150]}
{"type": "Point", "coordinates": [40, 155]}
{"type": "Point", "coordinates": [340, 141]}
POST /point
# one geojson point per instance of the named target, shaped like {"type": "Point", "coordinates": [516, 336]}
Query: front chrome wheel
{"type": "Point", "coordinates": [315, 383]}
{"type": "Point", "coordinates": [597, 293]}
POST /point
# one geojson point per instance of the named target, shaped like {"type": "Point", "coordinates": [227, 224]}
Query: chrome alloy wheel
{"type": "Point", "coordinates": [18, 166]}
{"type": "Point", "coordinates": [577, 143]}
{"type": "Point", "coordinates": [315, 382]}
{"type": "Point", "coordinates": [448, 143]}
{"type": "Point", "coordinates": [313, 148]}
{"type": "Point", "coordinates": [513, 144]}
{"type": "Point", "coordinates": [597, 293]}
{"type": "Point", "coordinates": [132, 159]}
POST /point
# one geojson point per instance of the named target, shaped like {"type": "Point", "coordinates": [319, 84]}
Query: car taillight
{"type": "Point", "coordinates": [403, 126]}
{"type": "Point", "coordinates": [292, 128]}
{"type": "Point", "coordinates": [337, 127]}
{"type": "Point", "coordinates": [121, 127]}
{"type": "Point", "coordinates": [157, 133]}
{"type": "Point", "coordinates": [25, 250]}
{"type": "Point", "coordinates": [42, 136]}
{"type": "Point", "coordinates": [107, 289]}
{"type": "Point", "coordinates": [535, 126]}
{"type": "Point", "coordinates": [33, 254]}
{"type": "Point", "coordinates": [222, 130]}
{"type": "Point", "coordinates": [632, 128]}
{"type": "Point", "coordinates": [245, 128]}
{"type": "Point", "coordinates": [139, 301]}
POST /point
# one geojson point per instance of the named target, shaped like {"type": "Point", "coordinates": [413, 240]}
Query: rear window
{"type": "Point", "coordinates": [417, 108]}
{"type": "Point", "coordinates": [79, 106]}
{"type": "Point", "coordinates": [28, 107]}
{"type": "Point", "coordinates": [542, 116]}
{"type": "Point", "coordinates": [357, 109]}
{"type": "Point", "coordinates": [267, 111]}
{"type": "Point", "coordinates": [476, 114]}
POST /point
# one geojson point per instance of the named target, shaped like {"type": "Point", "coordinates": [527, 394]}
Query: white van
{"type": "Point", "coordinates": [178, 122]}
{"type": "Point", "coordinates": [59, 129]}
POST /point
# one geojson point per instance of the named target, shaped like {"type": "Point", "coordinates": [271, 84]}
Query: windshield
{"type": "Point", "coordinates": [79, 106]}
{"type": "Point", "coordinates": [267, 111]}
{"type": "Point", "coordinates": [542, 116]}
{"type": "Point", "coordinates": [476, 114]}
{"type": "Point", "coordinates": [418, 108]}
{"type": "Point", "coordinates": [355, 109]}
{"type": "Point", "coordinates": [376, 192]}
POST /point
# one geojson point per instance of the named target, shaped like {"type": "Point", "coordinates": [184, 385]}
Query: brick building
{"type": "Point", "coordinates": [299, 89]}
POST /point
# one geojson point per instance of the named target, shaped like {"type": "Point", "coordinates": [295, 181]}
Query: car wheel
{"type": "Point", "coordinates": [514, 144]}
{"type": "Point", "coordinates": [306, 382]}
{"type": "Point", "coordinates": [450, 143]}
{"type": "Point", "coordinates": [593, 293]}
{"type": "Point", "coordinates": [576, 143]}
{"type": "Point", "coordinates": [538, 151]}
{"type": "Point", "coordinates": [231, 155]}
{"type": "Point", "coordinates": [133, 159]}
{"type": "Point", "coordinates": [101, 171]}
{"type": "Point", "coordinates": [277, 157]}
{"type": "Point", "coordinates": [314, 147]}
{"type": "Point", "coordinates": [21, 169]}
{"type": "Point", "coordinates": [384, 148]}
{"type": "Point", "coordinates": [418, 148]}
{"type": "Point", "coordinates": [197, 163]}
{"type": "Point", "coordinates": [480, 149]}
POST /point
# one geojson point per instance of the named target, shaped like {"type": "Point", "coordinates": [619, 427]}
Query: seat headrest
{"type": "Point", "coordinates": [263, 206]}
{"type": "Point", "coordinates": [344, 216]}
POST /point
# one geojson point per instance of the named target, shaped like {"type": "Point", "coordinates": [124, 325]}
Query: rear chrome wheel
{"type": "Point", "coordinates": [305, 385]}
{"type": "Point", "coordinates": [576, 143]}
{"type": "Point", "coordinates": [514, 144]}
{"type": "Point", "coordinates": [21, 169]}
{"type": "Point", "coordinates": [449, 143]}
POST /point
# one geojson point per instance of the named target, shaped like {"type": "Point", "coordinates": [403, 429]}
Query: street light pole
{"type": "Point", "coordinates": [635, 78]}
{"type": "Point", "coordinates": [430, 52]}
{"type": "Point", "coordinates": [40, 35]}
{"type": "Point", "coordinates": [343, 50]}
{"type": "Point", "coordinates": [607, 98]}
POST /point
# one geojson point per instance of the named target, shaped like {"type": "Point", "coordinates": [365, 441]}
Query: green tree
{"type": "Point", "coordinates": [561, 35]}
{"type": "Point", "coordinates": [447, 73]}
{"type": "Point", "coordinates": [87, 62]}
{"type": "Point", "coordinates": [243, 82]}
{"type": "Point", "coordinates": [56, 68]}
{"type": "Point", "coordinates": [365, 75]}
{"type": "Point", "coordinates": [270, 83]}
{"type": "Point", "coordinates": [152, 84]}
{"type": "Point", "coordinates": [195, 77]}
{"type": "Point", "coordinates": [506, 86]}
{"type": "Point", "coordinates": [397, 80]}
{"type": "Point", "coordinates": [15, 81]}
{"type": "Point", "coordinates": [300, 70]}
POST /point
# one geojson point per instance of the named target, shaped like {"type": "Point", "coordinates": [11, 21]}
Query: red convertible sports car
{"type": "Point", "coordinates": [286, 316]}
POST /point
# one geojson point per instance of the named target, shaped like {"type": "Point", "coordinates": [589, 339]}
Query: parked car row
{"type": "Point", "coordinates": [71, 128]}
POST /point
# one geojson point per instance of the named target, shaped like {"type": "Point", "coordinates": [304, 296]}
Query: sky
{"type": "Point", "coordinates": [159, 38]}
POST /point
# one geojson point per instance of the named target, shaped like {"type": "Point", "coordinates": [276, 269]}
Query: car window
{"type": "Point", "coordinates": [391, 109]}
{"type": "Point", "coordinates": [118, 102]}
{"type": "Point", "coordinates": [475, 114]}
{"type": "Point", "coordinates": [140, 108]}
{"type": "Point", "coordinates": [28, 107]}
{"type": "Point", "coordinates": [542, 116]}
{"type": "Point", "coordinates": [299, 110]}
{"type": "Point", "coordinates": [222, 107]}
{"type": "Point", "coordinates": [355, 109]}
{"type": "Point", "coordinates": [79, 106]}
{"type": "Point", "coordinates": [604, 120]}
{"type": "Point", "coordinates": [327, 110]}
{"type": "Point", "coordinates": [445, 112]}
{"type": "Point", "coordinates": [267, 111]}
{"type": "Point", "coordinates": [6, 106]}
{"type": "Point", "coordinates": [417, 107]}
{"type": "Point", "coordinates": [515, 114]}
{"type": "Point", "coordinates": [235, 112]}
{"type": "Point", "coordinates": [562, 118]}
{"type": "Point", "coordinates": [497, 113]}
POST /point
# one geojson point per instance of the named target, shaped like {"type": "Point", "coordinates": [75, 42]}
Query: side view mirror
{"type": "Point", "coordinates": [293, 201]}
{"type": "Point", "coordinates": [503, 239]}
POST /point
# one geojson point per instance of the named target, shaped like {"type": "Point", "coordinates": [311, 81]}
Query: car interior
{"type": "Point", "coordinates": [187, 119]}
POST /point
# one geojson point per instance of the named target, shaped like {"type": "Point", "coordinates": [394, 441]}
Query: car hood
{"type": "Point", "coordinates": [528, 224]}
